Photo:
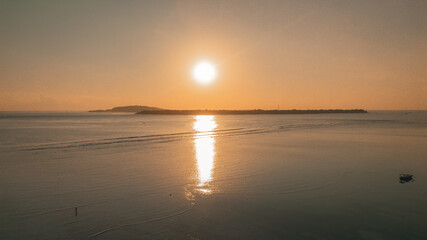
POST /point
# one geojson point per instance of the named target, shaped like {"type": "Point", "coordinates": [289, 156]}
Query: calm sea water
{"type": "Point", "coordinates": [126, 176]}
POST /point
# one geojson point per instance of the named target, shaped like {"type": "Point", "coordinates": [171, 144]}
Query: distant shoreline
{"type": "Point", "coordinates": [247, 112]}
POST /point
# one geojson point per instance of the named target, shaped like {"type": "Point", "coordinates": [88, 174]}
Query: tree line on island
{"type": "Point", "coordinates": [161, 111]}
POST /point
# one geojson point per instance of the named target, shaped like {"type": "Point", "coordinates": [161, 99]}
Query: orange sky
{"type": "Point", "coordinates": [293, 54]}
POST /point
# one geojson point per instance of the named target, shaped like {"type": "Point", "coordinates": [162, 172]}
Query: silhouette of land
{"type": "Point", "coordinates": [255, 111]}
{"type": "Point", "coordinates": [160, 111]}
{"type": "Point", "coordinates": [129, 109]}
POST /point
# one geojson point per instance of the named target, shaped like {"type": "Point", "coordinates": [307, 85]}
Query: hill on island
{"type": "Point", "coordinates": [129, 109]}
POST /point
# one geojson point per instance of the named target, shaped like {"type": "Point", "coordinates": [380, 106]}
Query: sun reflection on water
{"type": "Point", "coordinates": [204, 144]}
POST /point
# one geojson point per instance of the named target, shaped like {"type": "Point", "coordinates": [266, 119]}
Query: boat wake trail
{"type": "Point", "coordinates": [144, 138]}
{"type": "Point", "coordinates": [174, 136]}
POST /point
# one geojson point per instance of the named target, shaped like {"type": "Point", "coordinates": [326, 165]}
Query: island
{"type": "Point", "coordinates": [161, 111]}
{"type": "Point", "coordinates": [129, 109]}
{"type": "Point", "coordinates": [255, 111]}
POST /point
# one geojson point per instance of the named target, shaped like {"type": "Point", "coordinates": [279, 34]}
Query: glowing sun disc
{"type": "Point", "coordinates": [204, 72]}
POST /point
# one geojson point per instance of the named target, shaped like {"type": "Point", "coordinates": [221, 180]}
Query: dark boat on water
{"type": "Point", "coordinates": [406, 178]}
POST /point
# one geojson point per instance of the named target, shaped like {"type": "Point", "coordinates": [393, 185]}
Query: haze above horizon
{"type": "Point", "coordinates": [84, 55]}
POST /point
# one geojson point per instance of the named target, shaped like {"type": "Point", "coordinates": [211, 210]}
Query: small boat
{"type": "Point", "coordinates": [406, 178]}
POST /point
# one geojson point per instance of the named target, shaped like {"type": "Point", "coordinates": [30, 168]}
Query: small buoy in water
{"type": "Point", "coordinates": [75, 210]}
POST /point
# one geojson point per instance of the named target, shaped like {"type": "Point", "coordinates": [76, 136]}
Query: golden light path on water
{"type": "Point", "coordinates": [204, 144]}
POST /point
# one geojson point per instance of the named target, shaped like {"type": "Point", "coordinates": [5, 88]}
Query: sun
{"type": "Point", "coordinates": [204, 72]}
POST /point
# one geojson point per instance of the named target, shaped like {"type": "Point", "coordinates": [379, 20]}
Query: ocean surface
{"type": "Point", "coordinates": [128, 176]}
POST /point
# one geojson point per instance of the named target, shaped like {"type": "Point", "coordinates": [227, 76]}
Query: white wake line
{"type": "Point", "coordinates": [138, 223]}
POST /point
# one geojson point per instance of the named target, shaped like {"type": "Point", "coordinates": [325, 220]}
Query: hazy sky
{"type": "Point", "coordinates": [80, 55]}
